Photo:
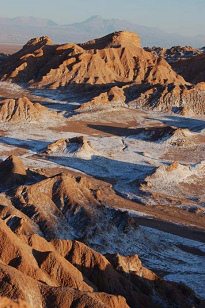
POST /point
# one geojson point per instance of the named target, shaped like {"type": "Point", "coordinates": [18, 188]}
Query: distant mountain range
{"type": "Point", "coordinates": [20, 29]}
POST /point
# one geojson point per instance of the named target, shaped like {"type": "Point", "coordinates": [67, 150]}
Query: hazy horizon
{"type": "Point", "coordinates": [184, 17]}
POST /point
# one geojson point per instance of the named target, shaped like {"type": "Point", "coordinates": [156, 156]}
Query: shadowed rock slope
{"type": "Point", "coordinates": [193, 70]}
{"type": "Point", "coordinates": [13, 173]}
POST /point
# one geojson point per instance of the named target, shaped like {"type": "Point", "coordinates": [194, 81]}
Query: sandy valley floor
{"type": "Point", "coordinates": [156, 162]}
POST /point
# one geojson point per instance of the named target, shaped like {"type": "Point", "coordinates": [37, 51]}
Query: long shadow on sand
{"type": "Point", "coordinates": [151, 134]}
{"type": "Point", "coordinates": [113, 171]}
{"type": "Point", "coordinates": [98, 166]}
{"type": "Point", "coordinates": [69, 98]}
{"type": "Point", "coordinates": [117, 131]}
{"type": "Point", "coordinates": [194, 125]}
{"type": "Point", "coordinates": [30, 144]}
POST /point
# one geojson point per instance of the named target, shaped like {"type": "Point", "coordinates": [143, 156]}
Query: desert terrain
{"type": "Point", "coordinates": [102, 174]}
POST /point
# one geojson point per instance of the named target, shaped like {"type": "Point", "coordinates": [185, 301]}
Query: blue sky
{"type": "Point", "coordinates": [182, 16]}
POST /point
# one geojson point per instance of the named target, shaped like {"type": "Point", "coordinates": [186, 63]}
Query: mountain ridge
{"type": "Point", "coordinates": [13, 30]}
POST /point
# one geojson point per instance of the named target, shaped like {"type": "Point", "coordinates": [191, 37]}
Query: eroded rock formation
{"type": "Point", "coordinates": [118, 57]}
{"type": "Point", "coordinates": [64, 273]}
{"type": "Point", "coordinates": [23, 110]}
